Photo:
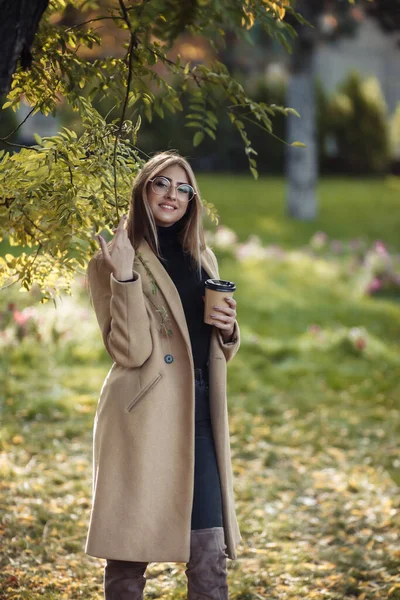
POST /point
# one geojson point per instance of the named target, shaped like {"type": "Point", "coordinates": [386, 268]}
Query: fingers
{"type": "Point", "coordinates": [119, 231]}
{"type": "Point", "coordinates": [102, 242]}
{"type": "Point", "coordinates": [104, 248]}
{"type": "Point", "coordinates": [231, 301]}
{"type": "Point", "coordinates": [222, 324]}
{"type": "Point", "coordinates": [227, 311]}
{"type": "Point", "coordinates": [121, 223]}
{"type": "Point", "coordinates": [108, 249]}
{"type": "Point", "coordinates": [119, 227]}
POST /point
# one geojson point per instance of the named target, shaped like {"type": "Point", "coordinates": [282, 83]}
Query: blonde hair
{"type": "Point", "coordinates": [141, 223]}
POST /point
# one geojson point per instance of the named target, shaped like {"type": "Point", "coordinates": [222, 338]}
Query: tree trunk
{"type": "Point", "coordinates": [18, 25]}
{"type": "Point", "coordinates": [302, 163]}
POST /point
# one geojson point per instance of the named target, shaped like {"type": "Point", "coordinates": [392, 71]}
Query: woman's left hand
{"type": "Point", "coordinates": [224, 316]}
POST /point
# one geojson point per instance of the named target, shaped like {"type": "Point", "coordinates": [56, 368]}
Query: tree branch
{"type": "Point", "coordinates": [19, 145]}
{"type": "Point", "coordinates": [133, 42]}
{"type": "Point", "coordinates": [116, 18]}
{"type": "Point", "coordinates": [20, 124]}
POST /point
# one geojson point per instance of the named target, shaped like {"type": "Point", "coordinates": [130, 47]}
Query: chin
{"type": "Point", "coordinates": [166, 221]}
{"type": "Point", "coordinates": [173, 218]}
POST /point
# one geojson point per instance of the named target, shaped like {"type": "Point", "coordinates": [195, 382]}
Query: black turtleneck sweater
{"type": "Point", "coordinates": [178, 265]}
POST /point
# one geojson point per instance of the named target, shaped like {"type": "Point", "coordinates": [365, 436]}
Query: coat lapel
{"type": "Point", "coordinates": [167, 292]}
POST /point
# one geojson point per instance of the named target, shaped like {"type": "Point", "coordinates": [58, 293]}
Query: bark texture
{"type": "Point", "coordinates": [18, 25]}
{"type": "Point", "coordinates": [302, 163]}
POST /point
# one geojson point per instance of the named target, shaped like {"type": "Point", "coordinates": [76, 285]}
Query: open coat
{"type": "Point", "coordinates": [143, 437]}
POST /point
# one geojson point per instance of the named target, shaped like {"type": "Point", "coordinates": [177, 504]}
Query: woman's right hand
{"type": "Point", "coordinates": [121, 255]}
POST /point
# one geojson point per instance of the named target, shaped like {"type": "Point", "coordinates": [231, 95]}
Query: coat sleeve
{"type": "Point", "coordinates": [229, 348]}
{"type": "Point", "coordinates": [121, 314]}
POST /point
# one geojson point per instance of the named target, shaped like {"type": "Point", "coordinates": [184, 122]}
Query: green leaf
{"type": "Point", "coordinates": [293, 111]}
{"type": "Point", "coordinates": [148, 113]}
{"type": "Point", "coordinates": [254, 172]}
{"type": "Point", "coordinates": [137, 125]}
{"type": "Point", "coordinates": [196, 124]}
{"type": "Point", "coordinates": [283, 40]}
{"type": "Point", "coordinates": [210, 133]}
{"type": "Point", "coordinates": [198, 138]}
{"type": "Point", "coordinates": [298, 145]}
{"type": "Point", "coordinates": [132, 99]}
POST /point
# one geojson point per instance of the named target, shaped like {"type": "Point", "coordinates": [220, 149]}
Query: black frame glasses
{"type": "Point", "coordinates": [182, 190]}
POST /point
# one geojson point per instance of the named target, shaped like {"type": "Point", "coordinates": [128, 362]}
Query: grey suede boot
{"type": "Point", "coordinates": [124, 580]}
{"type": "Point", "coordinates": [206, 570]}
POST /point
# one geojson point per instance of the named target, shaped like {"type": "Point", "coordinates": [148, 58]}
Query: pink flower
{"type": "Point", "coordinates": [375, 285]}
{"type": "Point", "coordinates": [355, 244]}
{"type": "Point", "coordinates": [357, 337]}
{"type": "Point", "coordinates": [251, 249]}
{"type": "Point", "coordinates": [20, 318]}
{"type": "Point", "coordinates": [225, 237]}
{"type": "Point", "coordinates": [380, 248]}
{"type": "Point", "coordinates": [274, 251]}
{"type": "Point", "coordinates": [360, 343]}
{"type": "Point", "coordinates": [337, 246]}
{"type": "Point", "coordinates": [319, 239]}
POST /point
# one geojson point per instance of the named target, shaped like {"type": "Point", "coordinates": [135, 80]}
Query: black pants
{"type": "Point", "coordinates": [207, 499]}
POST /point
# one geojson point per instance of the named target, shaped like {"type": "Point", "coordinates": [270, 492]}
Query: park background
{"type": "Point", "coordinates": [313, 392]}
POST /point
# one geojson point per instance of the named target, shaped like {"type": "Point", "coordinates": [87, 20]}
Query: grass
{"type": "Point", "coordinates": [314, 423]}
{"type": "Point", "coordinates": [348, 208]}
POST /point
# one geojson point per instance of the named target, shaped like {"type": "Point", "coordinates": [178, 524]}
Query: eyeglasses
{"type": "Point", "coordinates": [161, 185]}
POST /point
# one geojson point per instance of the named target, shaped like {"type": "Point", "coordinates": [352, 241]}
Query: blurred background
{"type": "Point", "coordinates": [351, 56]}
{"type": "Point", "coordinates": [313, 245]}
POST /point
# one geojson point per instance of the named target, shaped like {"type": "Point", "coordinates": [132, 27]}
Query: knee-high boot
{"type": "Point", "coordinates": [124, 580]}
{"type": "Point", "coordinates": [206, 570]}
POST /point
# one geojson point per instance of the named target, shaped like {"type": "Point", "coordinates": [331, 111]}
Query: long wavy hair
{"type": "Point", "coordinates": [141, 223]}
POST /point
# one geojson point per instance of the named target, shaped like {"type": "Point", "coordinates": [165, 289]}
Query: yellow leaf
{"type": "Point", "coordinates": [393, 589]}
{"type": "Point", "coordinates": [328, 565]}
{"type": "Point", "coordinates": [17, 439]}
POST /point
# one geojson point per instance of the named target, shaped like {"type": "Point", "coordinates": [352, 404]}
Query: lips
{"type": "Point", "coordinates": [167, 204]}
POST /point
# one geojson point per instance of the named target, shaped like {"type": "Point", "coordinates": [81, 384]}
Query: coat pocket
{"type": "Point", "coordinates": [143, 391]}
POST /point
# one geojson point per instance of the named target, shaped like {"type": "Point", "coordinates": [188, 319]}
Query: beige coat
{"type": "Point", "coordinates": [143, 447]}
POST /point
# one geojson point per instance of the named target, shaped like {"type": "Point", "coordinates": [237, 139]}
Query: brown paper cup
{"type": "Point", "coordinates": [215, 292]}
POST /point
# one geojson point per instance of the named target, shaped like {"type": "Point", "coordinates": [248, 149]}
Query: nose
{"type": "Point", "coordinates": [172, 192]}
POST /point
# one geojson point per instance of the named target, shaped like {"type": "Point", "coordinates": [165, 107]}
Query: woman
{"type": "Point", "coordinates": [162, 474]}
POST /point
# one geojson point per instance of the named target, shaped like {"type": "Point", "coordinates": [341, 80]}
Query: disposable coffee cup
{"type": "Point", "coordinates": [215, 292]}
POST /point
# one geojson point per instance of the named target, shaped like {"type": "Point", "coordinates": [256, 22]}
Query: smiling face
{"type": "Point", "coordinates": [168, 216]}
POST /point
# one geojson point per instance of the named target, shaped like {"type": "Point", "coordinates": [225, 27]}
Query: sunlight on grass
{"type": "Point", "coordinates": [269, 225]}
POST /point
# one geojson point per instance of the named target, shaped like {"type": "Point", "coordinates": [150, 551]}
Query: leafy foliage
{"type": "Point", "coordinates": [357, 118]}
{"type": "Point", "coordinates": [56, 195]}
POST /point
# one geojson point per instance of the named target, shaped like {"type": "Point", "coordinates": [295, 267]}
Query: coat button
{"type": "Point", "coordinates": [168, 358]}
